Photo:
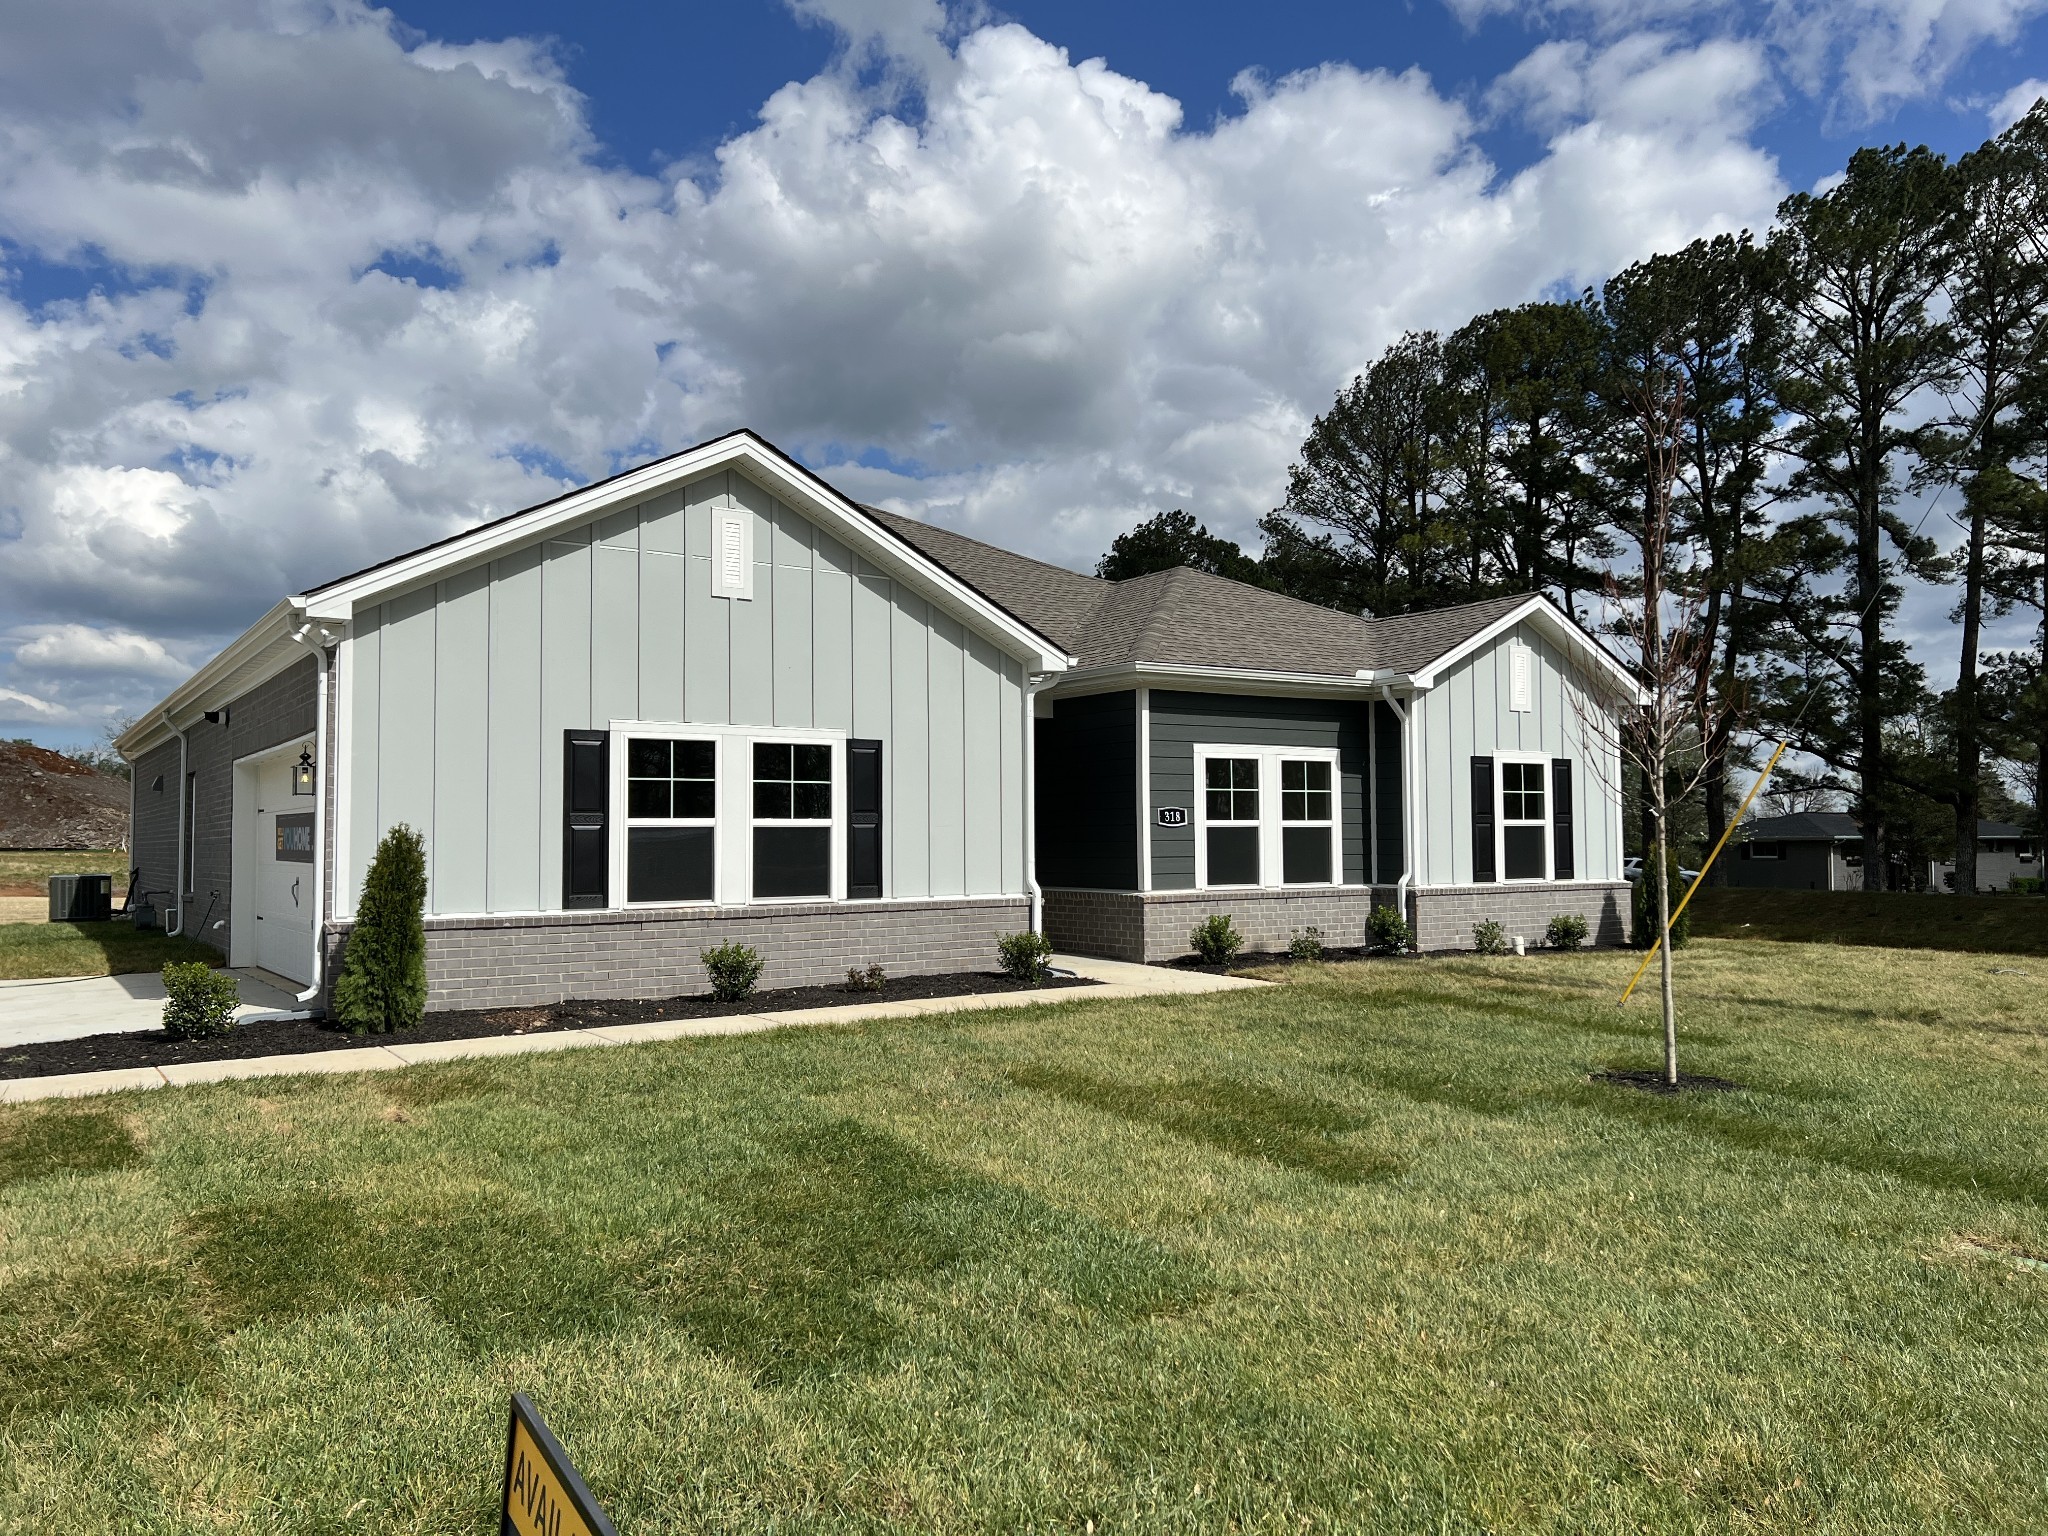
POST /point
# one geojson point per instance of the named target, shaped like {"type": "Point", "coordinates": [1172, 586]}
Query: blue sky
{"type": "Point", "coordinates": [287, 286]}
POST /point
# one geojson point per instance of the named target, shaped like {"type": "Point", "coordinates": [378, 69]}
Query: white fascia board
{"type": "Point", "coordinates": [1546, 616]}
{"type": "Point", "coordinates": [771, 471]}
{"type": "Point", "coordinates": [1087, 680]}
{"type": "Point", "coordinates": [202, 690]}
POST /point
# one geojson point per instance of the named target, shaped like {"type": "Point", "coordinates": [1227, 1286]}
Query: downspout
{"type": "Point", "coordinates": [1032, 685]}
{"type": "Point", "coordinates": [1407, 801]}
{"type": "Point", "coordinates": [178, 854]}
{"type": "Point", "coordinates": [319, 650]}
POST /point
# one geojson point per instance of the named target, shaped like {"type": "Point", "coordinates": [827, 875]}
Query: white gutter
{"type": "Point", "coordinates": [314, 641]}
{"type": "Point", "coordinates": [178, 854]}
{"type": "Point", "coordinates": [1407, 800]}
{"type": "Point", "coordinates": [1032, 687]}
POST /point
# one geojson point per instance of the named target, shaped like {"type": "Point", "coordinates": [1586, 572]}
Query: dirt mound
{"type": "Point", "coordinates": [48, 800]}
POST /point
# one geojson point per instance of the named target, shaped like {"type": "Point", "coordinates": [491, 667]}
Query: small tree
{"type": "Point", "coordinates": [383, 981]}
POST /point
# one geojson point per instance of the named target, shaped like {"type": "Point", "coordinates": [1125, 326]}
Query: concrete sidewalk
{"type": "Point", "coordinates": [72, 1007]}
{"type": "Point", "coordinates": [1118, 980]}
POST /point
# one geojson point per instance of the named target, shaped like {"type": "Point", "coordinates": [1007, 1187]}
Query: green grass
{"type": "Point", "coordinates": [34, 868]}
{"type": "Point", "coordinates": [29, 950]}
{"type": "Point", "coordinates": [2007, 925]}
{"type": "Point", "coordinates": [1362, 1252]}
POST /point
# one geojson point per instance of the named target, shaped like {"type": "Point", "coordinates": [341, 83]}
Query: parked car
{"type": "Point", "coordinates": [1632, 869]}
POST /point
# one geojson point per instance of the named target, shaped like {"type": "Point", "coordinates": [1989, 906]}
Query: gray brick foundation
{"type": "Point", "coordinates": [1127, 925]}
{"type": "Point", "coordinates": [505, 962]}
{"type": "Point", "coordinates": [1154, 925]}
{"type": "Point", "coordinates": [1442, 916]}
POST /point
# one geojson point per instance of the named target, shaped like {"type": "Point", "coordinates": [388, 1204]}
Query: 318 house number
{"type": "Point", "coordinates": [1173, 815]}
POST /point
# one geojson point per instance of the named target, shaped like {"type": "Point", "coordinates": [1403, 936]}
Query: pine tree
{"type": "Point", "coordinates": [383, 981]}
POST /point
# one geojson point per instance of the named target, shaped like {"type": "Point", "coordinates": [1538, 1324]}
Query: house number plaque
{"type": "Point", "coordinates": [1173, 815]}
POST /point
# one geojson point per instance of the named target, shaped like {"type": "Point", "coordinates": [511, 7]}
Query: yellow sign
{"type": "Point", "coordinates": [543, 1494]}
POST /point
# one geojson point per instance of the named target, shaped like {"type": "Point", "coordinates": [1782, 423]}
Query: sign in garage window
{"type": "Point", "coordinates": [295, 837]}
{"type": "Point", "coordinates": [792, 819]}
{"type": "Point", "coordinates": [671, 814]}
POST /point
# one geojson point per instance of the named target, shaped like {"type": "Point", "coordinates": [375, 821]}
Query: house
{"type": "Point", "coordinates": [2005, 853]}
{"type": "Point", "coordinates": [713, 699]}
{"type": "Point", "coordinates": [1801, 851]}
{"type": "Point", "coordinates": [1823, 851]}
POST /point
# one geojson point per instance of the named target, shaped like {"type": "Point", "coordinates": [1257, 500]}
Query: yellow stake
{"type": "Point", "coordinates": [1727, 832]}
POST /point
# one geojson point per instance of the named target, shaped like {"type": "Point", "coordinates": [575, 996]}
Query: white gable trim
{"type": "Point", "coordinates": [1544, 614]}
{"type": "Point", "coordinates": [766, 466]}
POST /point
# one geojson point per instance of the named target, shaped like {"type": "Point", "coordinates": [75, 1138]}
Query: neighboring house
{"type": "Point", "coordinates": [2005, 853]}
{"type": "Point", "coordinates": [1801, 851]}
{"type": "Point", "coordinates": [713, 699]}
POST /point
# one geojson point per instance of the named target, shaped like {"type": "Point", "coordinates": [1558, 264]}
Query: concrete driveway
{"type": "Point", "coordinates": [69, 1007]}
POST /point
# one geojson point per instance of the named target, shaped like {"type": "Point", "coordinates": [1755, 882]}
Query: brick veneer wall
{"type": "Point", "coordinates": [268, 715]}
{"type": "Point", "coordinates": [504, 962]}
{"type": "Point", "coordinates": [1442, 917]}
{"type": "Point", "coordinates": [1127, 925]}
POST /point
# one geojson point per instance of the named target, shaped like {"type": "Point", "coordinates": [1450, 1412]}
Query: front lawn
{"type": "Point", "coordinates": [31, 950]}
{"type": "Point", "coordinates": [2005, 924]}
{"type": "Point", "coordinates": [1365, 1251]}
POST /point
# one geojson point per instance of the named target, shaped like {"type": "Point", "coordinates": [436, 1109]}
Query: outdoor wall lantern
{"type": "Point", "coordinates": [302, 774]}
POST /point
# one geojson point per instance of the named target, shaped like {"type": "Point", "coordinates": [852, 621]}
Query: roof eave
{"type": "Point", "coordinates": [193, 696]}
{"type": "Point", "coordinates": [786, 479]}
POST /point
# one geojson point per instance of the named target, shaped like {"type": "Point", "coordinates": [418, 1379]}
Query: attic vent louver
{"type": "Point", "coordinates": [1518, 698]}
{"type": "Point", "coordinates": [732, 555]}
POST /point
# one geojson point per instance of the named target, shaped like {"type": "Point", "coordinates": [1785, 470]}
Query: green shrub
{"type": "Point", "coordinates": [1307, 944]}
{"type": "Point", "coordinates": [1643, 931]}
{"type": "Point", "coordinates": [1216, 939]}
{"type": "Point", "coordinates": [199, 1002]}
{"type": "Point", "coordinates": [383, 981]}
{"type": "Point", "coordinates": [1489, 938]}
{"type": "Point", "coordinates": [734, 968]}
{"type": "Point", "coordinates": [1567, 930]}
{"type": "Point", "coordinates": [1023, 956]}
{"type": "Point", "coordinates": [1388, 931]}
{"type": "Point", "coordinates": [870, 980]}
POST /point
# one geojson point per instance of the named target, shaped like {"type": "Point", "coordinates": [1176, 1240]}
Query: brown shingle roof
{"type": "Point", "coordinates": [1184, 617]}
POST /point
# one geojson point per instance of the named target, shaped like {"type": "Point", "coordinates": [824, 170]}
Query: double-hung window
{"type": "Point", "coordinates": [1268, 816]}
{"type": "Point", "coordinates": [671, 819]}
{"type": "Point", "coordinates": [1524, 819]}
{"type": "Point", "coordinates": [792, 819]}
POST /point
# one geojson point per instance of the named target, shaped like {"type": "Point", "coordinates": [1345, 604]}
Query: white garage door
{"type": "Point", "coordinates": [284, 871]}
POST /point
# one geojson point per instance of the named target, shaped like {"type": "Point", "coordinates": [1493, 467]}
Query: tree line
{"type": "Point", "coordinates": [1874, 361]}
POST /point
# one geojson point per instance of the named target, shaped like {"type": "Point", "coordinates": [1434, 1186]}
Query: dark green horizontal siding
{"type": "Point", "coordinates": [1183, 721]}
{"type": "Point", "coordinates": [1088, 793]}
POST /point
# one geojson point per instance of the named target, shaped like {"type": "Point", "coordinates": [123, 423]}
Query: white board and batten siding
{"type": "Point", "coordinates": [459, 693]}
{"type": "Point", "coordinates": [1470, 713]}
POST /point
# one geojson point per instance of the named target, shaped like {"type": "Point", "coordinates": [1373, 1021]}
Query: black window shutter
{"type": "Point", "coordinates": [1562, 864]}
{"type": "Point", "coordinates": [586, 844]}
{"type": "Point", "coordinates": [1482, 821]}
{"type": "Point", "coordinates": [864, 820]}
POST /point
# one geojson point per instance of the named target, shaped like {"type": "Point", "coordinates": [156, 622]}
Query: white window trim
{"type": "Point", "coordinates": [619, 824]}
{"type": "Point", "coordinates": [1269, 823]}
{"type": "Point", "coordinates": [836, 823]}
{"type": "Point", "coordinates": [733, 840]}
{"type": "Point", "coordinates": [1500, 819]}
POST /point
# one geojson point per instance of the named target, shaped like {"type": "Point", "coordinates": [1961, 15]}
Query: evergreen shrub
{"type": "Point", "coordinates": [1643, 930]}
{"type": "Point", "coordinates": [1215, 939]}
{"type": "Point", "coordinates": [733, 968]}
{"type": "Point", "coordinates": [383, 981]}
{"type": "Point", "coordinates": [199, 1002]}
{"type": "Point", "coordinates": [1023, 956]}
{"type": "Point", "coordinates": [1388, 930]}
{"type": "Point", "coordinates": [1489, 938]}
{"type": "Point", "coordinates": [1567, 930]}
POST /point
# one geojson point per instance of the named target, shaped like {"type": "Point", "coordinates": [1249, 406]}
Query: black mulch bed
{"type": "Point", "coordinates": [293, 1037]}
{"type": "Point", "coordinates": [1245, 962]}
{"type": "Point", "coordinates": [1652, 1081]}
